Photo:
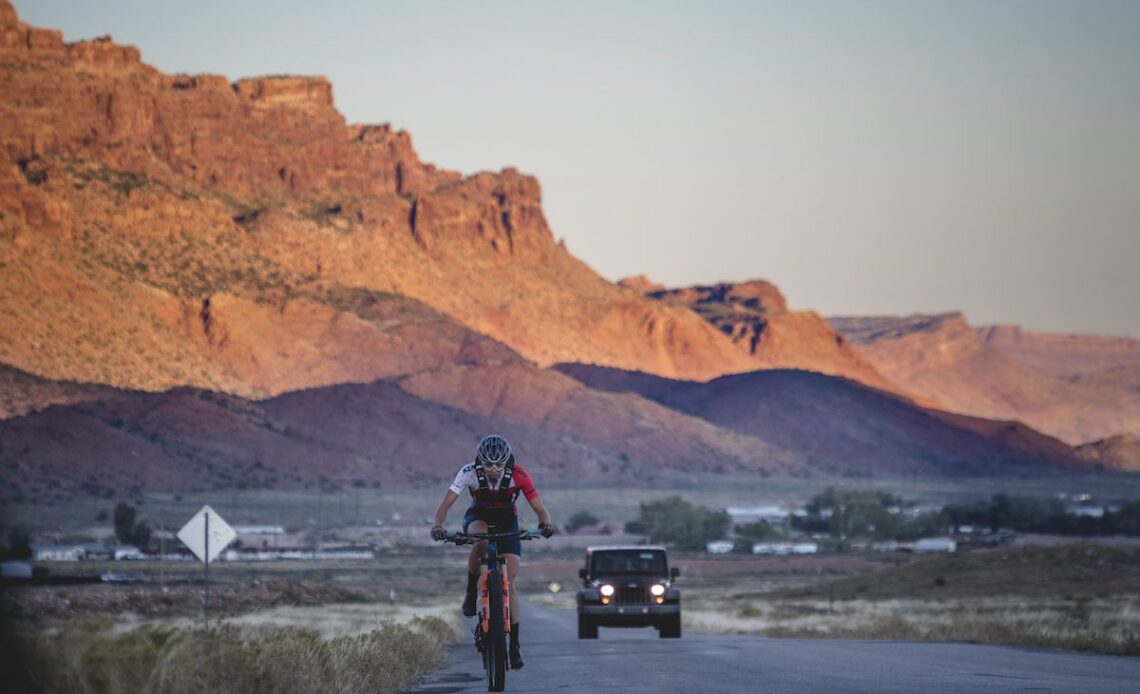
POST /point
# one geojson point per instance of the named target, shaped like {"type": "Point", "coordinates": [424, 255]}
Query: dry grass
{"type": "Point", "coordinates": [1075, 597]}
{"type": "Point", "coordinates": [1108, 625]}
{"type": "Point", "coordinates": [87, 656]}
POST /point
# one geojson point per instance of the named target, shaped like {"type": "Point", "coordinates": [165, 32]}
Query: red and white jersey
{"type": "Point", "coordinates": [495, 496]}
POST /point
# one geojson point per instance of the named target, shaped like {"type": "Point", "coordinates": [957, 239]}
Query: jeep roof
{"type": "Point", "coordinates": [624, 547]}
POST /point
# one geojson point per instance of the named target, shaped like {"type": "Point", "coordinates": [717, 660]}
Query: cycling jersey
{"type": "Point", "coordinates": [494, 498]}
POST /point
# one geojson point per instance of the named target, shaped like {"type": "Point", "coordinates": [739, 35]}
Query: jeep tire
{"type": "Point", "coordinates": [670, 628]}
{"type": "Point", "coordinates": [587, 629]}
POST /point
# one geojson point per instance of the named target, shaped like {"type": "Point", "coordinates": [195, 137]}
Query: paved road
{"type": "Point", "coordinates": [635, 660]}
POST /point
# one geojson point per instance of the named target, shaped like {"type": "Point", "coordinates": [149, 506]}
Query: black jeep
{"type": "Point", "coordinates": [628, 587]}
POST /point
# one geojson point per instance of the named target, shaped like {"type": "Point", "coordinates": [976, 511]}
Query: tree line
{"type": "Point", "coordinates": [845, 515]}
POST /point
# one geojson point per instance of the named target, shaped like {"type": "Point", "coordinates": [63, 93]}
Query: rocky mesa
{"type": "Point", "coordinates": [131, 198]}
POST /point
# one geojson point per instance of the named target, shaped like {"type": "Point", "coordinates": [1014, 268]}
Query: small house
{"type": "Point", "coordinates": [58, 553]}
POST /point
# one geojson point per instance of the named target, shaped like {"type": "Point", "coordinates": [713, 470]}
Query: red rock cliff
{"type": "Point", "coordinates": [153, 172]}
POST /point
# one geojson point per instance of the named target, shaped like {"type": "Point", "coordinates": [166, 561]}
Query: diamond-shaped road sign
{"type": "Point", "coordinates": [193, 534]}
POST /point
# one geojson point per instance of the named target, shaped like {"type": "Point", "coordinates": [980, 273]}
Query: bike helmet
{"type": "Point", "coordinates": [492, 450]}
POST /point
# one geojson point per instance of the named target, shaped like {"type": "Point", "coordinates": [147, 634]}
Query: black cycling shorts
{"type": "Point", "coordinates": [503, 522]}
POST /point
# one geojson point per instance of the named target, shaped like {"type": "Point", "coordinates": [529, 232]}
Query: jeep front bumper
{"type": "Point", "coordinates": [628, 615]}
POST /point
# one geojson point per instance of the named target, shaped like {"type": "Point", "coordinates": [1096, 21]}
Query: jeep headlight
{"type": "Point", "coordinates": [657, 589]}
{"type": "Point", "coordinates": [607, 590]}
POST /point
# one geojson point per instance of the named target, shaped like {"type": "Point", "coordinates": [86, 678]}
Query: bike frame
{"type": "Point", "coordinates": [494, 617]}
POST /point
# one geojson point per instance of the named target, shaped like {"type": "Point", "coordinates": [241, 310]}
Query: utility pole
{"type": "Point", "coordinates": [206, 603]}
{"type": "Point", "coordinates": [320, 516]}
{"type": "Point", "coordinates": [162, 557]}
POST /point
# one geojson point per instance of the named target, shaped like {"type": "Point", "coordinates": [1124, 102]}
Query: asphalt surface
{"type": "Point", "coordinates": [635, 660]}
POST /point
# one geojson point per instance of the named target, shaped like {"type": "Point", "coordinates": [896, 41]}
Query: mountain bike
{"type": "Point", "coordinates": [493, 620]}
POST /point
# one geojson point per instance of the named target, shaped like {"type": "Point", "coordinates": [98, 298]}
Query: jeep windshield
{"type": "Point", "coordinates": [628, 561]}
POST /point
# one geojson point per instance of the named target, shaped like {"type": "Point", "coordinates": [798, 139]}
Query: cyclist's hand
{"type": "Point", "coordinates": [438, 533]}
{"type": "Point", "coordinates": [546, 529]}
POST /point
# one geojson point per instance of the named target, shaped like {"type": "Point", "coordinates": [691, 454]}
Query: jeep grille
{"type": "Point", "coordinates": [624, 595]}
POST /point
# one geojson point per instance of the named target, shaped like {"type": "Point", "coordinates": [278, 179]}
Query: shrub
{"type": "Point", "coordinates": [675, 521]}
{"type": "Point", "coordinates": [580, 520]}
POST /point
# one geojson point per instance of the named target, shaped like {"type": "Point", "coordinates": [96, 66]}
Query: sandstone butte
{"type": "Point", "coordinates": [179, 229]}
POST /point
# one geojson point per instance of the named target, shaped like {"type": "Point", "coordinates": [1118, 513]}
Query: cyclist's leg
{"type": "Point", "coordinates": [514, 650]}
{"type": "Point", "coordinates": [512, 571]}
{"type": "Point", "coordinates": [479, 548]}
{"type": "Point", "coordinates": [472, 524]}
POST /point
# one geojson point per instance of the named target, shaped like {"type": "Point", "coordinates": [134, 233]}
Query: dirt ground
{"type": "Point", "coordinates": [67, 602]}
{"type": "Point", "coordinates": [431, 578]}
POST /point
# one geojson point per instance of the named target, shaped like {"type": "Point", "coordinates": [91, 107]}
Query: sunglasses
{"type": "Point", "coordinates": [497, 466]}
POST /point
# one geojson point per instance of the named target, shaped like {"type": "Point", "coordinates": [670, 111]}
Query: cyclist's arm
{"type": "Point", "coordinates": [444, 506]}
{"type": "Point", "coordinates": [539, 509]}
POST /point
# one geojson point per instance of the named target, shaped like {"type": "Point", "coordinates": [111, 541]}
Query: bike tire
{"type": "Point", "coordinates": [495, 656]}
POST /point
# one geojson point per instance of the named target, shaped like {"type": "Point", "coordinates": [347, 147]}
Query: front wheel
{"type": "Point", "coordinates": [670, 628]}
{"type": "Point", "coordinates": [587, 628]}
{"type": "Point", "coordinates": [495, 649]}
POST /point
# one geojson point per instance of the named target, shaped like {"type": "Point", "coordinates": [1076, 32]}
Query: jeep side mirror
{"type": "Point", "coordinates": [582, 574]}
{"type": "Point", "coordinates": [674, 572]}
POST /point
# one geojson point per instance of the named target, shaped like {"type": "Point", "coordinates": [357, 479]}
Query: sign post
{"type": "Point", "coordinates": [206, 535]}
{"type": "Point", "coordinates": [206, 599]}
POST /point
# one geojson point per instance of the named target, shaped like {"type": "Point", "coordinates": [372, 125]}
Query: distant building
{"type": "Point", "coordinates": [295, 552]}
{"type": "Point", "coordinates": [263, 536]}
{"type": "Point", "coordinates": [719, 547]}
{"type": "Point", "coordinates": [783, 548]}
{"type": "Point", "coordinates": [259, 529]}
{"type": "Point", "coordinates": [127, 552]}
{"type": "Point", "coordinates": [95, 550]}
{"type": "Point", "coordinates": [743, 515]}
{"type": "Point", "coordinates": [1086, 511]}
{"type": "Point", "coordinates": [58, 553]}
{"type": "Point", "coordinates": [936, 544]}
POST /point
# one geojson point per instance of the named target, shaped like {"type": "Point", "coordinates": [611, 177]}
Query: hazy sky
{"type": "Point", "coordinates": [868, 157]}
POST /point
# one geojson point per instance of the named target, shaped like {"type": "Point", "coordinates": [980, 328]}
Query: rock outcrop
{"type": "Point", "coordinates": [754, 315]}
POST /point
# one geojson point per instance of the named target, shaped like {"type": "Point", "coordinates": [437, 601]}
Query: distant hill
{"type": "Point", "coordinates": [942, 358]}
{"type": "Point", "coordinates": [21, 392]}
{"type": "Point", "coordinates": [1121, 452]}
{"type": "Point", "coordinates": [844, 427]}
{"type": "Point", "coordinates": [1093, 360]}
{"type": "Point", "coordinates": [412, 431]}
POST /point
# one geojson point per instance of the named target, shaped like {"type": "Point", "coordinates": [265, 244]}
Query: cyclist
{"type": "Point", "coordinates": [494, 481]}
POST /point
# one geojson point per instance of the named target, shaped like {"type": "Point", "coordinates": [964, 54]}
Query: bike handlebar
{"type": "Point", "coordinates": [472, 538]}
